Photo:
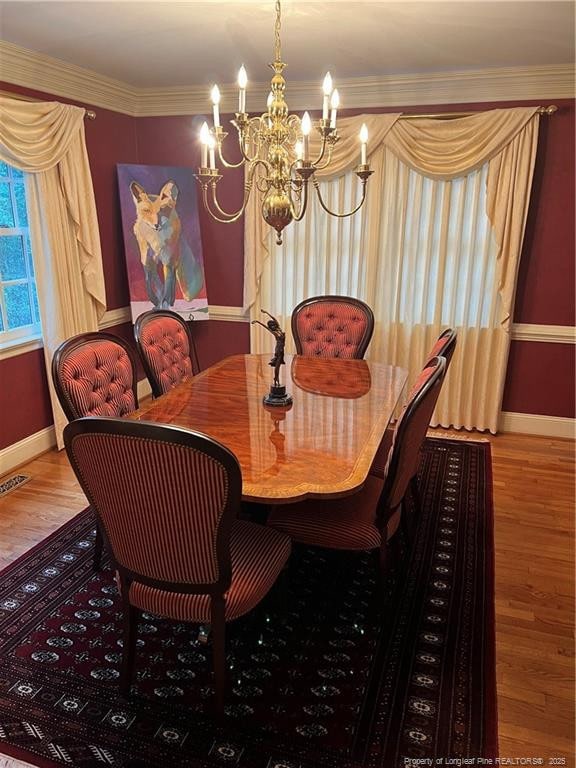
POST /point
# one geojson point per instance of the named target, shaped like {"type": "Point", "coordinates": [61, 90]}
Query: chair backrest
{"type": "Point", "coordinates": [165, 498]}
{"type": "Point", "coordinates": [165, 346]}
{"type": "Point", "coordinates": [410, 431]}
{"type": "Point", "coordinates": [332, 326]}
{"type": "Point", "coordinates": [94, 374]}
{"type": "Point", "coordinates": [444, 346]}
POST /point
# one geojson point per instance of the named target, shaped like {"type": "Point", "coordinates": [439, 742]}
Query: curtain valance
{"type": "Point", "coordinates": [36, 135]}
{"type": "Point", "coordinates": [440, 149]}
{"type": "Point", "coordinates": [448, 149]}
{"type": "Point", "coordinates": [48, 138]}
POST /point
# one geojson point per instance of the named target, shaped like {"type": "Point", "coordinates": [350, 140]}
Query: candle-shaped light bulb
{"type": "Point", "coordinates": [364, 140]}
{"type": "Point", "coordinates": [242, 77]}
{"type": "Point", "coordinates": [269, 100]}
{"type": "Point", "coordinates": [215, 96]}
{"type": "Point", "coordinates": [299, 149]}
{"type": "Point", "coordinates": [327, 88]}
{"type": "Point", "coordinates": [242, 83]}
{"type": "Point", "coordinates": [212, 147]}
{"type": "Point", "coordinates": [334, 104]}
{"type": "Point", "coordinates": [204, 140]}
{"type": "Point", "coordinates": [306, 126]}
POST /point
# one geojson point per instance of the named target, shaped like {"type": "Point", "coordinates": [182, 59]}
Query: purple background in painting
{"type": "Point", "coordinates": [152, 178]}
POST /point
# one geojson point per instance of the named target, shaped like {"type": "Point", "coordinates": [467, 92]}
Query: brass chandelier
{"type": "Point", "coordinates": [276, 143]}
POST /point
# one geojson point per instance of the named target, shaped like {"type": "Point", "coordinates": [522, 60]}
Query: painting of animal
{"type": "Point", "coordinates": [161, 236]}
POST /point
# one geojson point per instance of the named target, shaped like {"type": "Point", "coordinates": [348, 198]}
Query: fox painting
{"type": "Point", "coordinates": [164, 252]}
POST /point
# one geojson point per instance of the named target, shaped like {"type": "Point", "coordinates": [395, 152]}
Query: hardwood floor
{"type": "Point", "coordinates": [534, 546]}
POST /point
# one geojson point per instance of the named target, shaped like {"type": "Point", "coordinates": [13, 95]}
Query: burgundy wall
{"type": "Point", "coordinates": [174, 141]}
{"type": "Point", "coordinates": [542, 376]}
{"type": "Point", "coordinates": [545, 290]}
{"type": "Point", "coordinates": [24, 399]}
{"type": "Point", "coordinates": [545, 283]}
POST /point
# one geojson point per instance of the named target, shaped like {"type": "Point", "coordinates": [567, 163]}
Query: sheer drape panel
{"type": "Point", "coordinates": [46, 141]}
{"type": "Point", "coordinates": [318, 256]}
{"type": "Point", "coordinates": [346, 155]}
{"type": "Point", "coordinates": [443, 275]}
{"type": "Point", "coordinates": [436, 244]}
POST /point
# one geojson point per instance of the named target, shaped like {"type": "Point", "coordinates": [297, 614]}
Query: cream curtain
{"type": "Point", "coordinates": [436, 244]}
{"type": "Point", "coordinates": [46, 141]}
{"type": "Point", "coordinates": [257, 240]}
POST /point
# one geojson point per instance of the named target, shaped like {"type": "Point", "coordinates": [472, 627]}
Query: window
{"type": "Point", "coordinates": [19, 316]}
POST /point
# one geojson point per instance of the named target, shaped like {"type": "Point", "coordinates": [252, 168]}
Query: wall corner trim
{"type": "Point", "coordinates": [534, 424]}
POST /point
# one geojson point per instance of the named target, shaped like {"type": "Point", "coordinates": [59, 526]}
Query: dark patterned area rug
{"type": "Point", "coordinates": [326, 674]}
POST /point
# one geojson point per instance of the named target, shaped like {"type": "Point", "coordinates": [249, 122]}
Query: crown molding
{"type": "Point", "coordinates": [34, 70]}
{"type": "Point", "coordinates": [43, 73]}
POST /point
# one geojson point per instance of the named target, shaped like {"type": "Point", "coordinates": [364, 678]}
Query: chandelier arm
{"type": "Point", "coordinates": [230, 217]}
{"type": "Point", "coordinates": [263, 185]}
{"type": "Point", "coordinates": [253, 124]}
{"type": "Point", "coordinates": [231, 165]}
{"type": "Point", "coordinates": [326, 163]}
{"type": "Point", "coordinates": [303, 202]}
{"type": "Point", "coordinates": [244, 127]}
{"type": "Point", "coordinates": [316, 163]}
{"type": "Point", "coordinates": [225, 218]}
{"type": "Point", "coordinates": [334, 213]}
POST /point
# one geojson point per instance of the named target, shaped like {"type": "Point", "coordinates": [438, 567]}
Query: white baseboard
{"type": "Point", "coordinates": [20, 453]}
{"type": "Point", "coordinates": [533, 424]}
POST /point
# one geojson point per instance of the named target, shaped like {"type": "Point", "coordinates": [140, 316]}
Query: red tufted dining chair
{"type": "Point", "coordinates": [94, 374]}
{"type": "Point", "coordinates": [177, 545]}
{"type": "Point", "coordinates": [332, 326]}
{"type": "Point", "coordinates": [444, 346]}
{"type": "Point", "coordinates": [166, 348]}
{"type": "Point", "coordinates": [369, 519]}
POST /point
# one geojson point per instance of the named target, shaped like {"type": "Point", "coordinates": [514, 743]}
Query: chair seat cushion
{"type": "Point", "coordinates": [345, 523]}
{"type": "Point", "coordinates": [258, 555]}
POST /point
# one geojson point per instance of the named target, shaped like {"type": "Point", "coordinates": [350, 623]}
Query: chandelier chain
{"type": "Point", "coordinates": [277, 53]}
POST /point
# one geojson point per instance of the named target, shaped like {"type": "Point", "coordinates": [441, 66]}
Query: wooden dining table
{"type": "Point", "coordinates": [321, 446]}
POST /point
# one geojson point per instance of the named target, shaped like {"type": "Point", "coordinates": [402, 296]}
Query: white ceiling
{"type": "Point", "coordinates": [163, 43]}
